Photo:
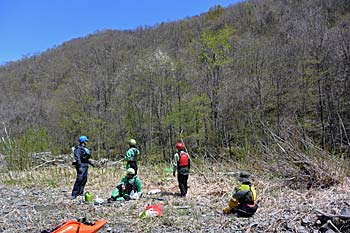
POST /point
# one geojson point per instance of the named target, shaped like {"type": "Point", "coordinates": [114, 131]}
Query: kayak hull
{"type": "Point", "coordinates": [72, 226]}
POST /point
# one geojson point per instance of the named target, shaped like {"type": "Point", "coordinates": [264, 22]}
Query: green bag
{"type": "Point", "coordinates": [88, 197]}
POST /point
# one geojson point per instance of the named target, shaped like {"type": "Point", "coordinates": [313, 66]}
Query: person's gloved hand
{"type": "Point", "coordinates": [227, 210]}
{"type": "Point", "coordinates": [135, 196]}
{"type": "Point", "coordinates": [80, 170]}
{"type": "Point", "coordinates": [174, 173]}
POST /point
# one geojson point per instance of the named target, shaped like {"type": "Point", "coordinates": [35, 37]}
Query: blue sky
{"type": "Point", "coordinates": [29, 27]}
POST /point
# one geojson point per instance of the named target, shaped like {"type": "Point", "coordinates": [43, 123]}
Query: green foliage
{"type": "Point", "coordinates": [215, 47]}
{"type": "Point", "coordinates": [284, 62]}
{"type": "Point", "coordinates": [75, 118]}
{"type": "Point", "coordinates": [35, 140]}
{"type": "Point", "coordinates": [194, 112]}
{"type": "Point", "coordinates": [239, 154]}
{"type": "Point", "coordinates": [153, 157]}
{"type": "Point", "coordinates": [162, 169]}
{"type": "Point", "coordinates": [19, 152]}
{"type": "Point", "coordinates": [8, 148]}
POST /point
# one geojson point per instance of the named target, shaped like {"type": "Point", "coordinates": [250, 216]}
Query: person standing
{"type": "Point", "coordinates": [181, 164]}
{"type": "Point", "coordinates": [131, 156]}
{"type": "Point", "coordinates": [82, 157]}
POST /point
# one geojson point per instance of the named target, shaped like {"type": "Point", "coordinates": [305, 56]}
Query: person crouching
{"type": "Point", "coordinates": [130, 187]}
{"type": "Point", "coordinates": [243, 201]}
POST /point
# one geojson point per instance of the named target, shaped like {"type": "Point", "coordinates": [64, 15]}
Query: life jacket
{"type": "Point", "coordinates": [85, 153]}
{"type": "Point", "coordinates": [245, 193]}
{"type": "Point", "coordinates": [183, 161]}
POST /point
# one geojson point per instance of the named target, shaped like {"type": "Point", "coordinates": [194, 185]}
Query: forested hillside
{"type": "Point", "coordinates": [246, 78]}
{"type": "Point", "coordinates": [261, 86]}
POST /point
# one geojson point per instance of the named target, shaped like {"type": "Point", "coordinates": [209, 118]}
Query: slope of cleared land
{"type": "Point", "coordinates": [38, 200]}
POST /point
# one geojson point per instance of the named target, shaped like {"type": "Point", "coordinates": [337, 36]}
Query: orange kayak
{"type": "Point", "coordinates": [72, 226]}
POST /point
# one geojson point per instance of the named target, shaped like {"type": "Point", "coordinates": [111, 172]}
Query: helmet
{"type": "Point", "coordinates": [180, 146]}
{"type": "Point", "coordinates": [244, 177]}
{"type": "Point", "coordinates": [130, 171]}
{"type": "Point", "coordinates": [132, 142]}
{"type": "Point", "coordinates": [83, 139]}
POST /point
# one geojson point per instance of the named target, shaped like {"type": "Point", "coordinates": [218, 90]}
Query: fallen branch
{"type": "Point", "coordinates": [47, 162]}
{"type": "Point", "coordinates": [332, 215]}
{"type": "Point", "coordinates": [334, 227]}
{"type": "Point", "coordinates": [182, 207]}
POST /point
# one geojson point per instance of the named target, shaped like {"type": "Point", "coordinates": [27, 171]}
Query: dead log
{"type": "Point", "coordinates": [328, 215]}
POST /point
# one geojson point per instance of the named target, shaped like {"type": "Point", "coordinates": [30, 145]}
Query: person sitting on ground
{"type": "Point", "coordinates": [243, 201]}
{"type": "Point", "coordinates": [130, 187]}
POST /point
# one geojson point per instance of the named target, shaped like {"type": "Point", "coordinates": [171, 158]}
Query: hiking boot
{"type": "Point", "coordinates": [111, 199]}
{"type": "Point", "coordinates": [82, 200]}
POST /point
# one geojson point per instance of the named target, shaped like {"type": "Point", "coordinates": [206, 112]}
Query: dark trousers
{"type": "Point", "coordinates": [245, 210]}
{"type": "Point", "coordinates": [82, 175]}
{"type": "Point", "coordinates": [133, 165]}
{"type": "Point", "coordinates": [182, 179]}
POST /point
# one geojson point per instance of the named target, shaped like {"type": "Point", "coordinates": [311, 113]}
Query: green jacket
{"type": "Point", "coordinates": [133, 181]}
{"type": "Point", "coordinates": [131, 154]}
{"type": "Point", "coordinates": [130, 184]}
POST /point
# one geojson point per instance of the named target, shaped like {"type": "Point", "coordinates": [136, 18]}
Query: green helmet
{"type": "Point", "coordinates": [132, 142]}
{"type": "Point", "coordinates": [130, 171]}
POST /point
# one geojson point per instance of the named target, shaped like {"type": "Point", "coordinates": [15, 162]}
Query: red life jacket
{"type": "Point", "coordinates": [183, 162]}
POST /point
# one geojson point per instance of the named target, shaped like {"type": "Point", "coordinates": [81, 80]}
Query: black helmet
{"type": "Point", "coordinates": [244, 177]}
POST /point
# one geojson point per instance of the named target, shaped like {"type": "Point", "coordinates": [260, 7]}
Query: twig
{"type": "Point", "coordinates": [182, 207]}
{"type": "Point", "coordinates": [46, 162]}
{"type": "Point", "coordinates": [334, 227]}
{"type": "Point", "coordinates": [343, 127]}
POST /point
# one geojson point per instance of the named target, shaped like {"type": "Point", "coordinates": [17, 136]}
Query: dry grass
{"type": "Point", "coordinates": [38, 200]}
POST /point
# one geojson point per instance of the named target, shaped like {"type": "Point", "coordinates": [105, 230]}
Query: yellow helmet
{"type": "Point", "coordinates": [132, 142]}
{"type": "Point", "coordinates": [130, 171]}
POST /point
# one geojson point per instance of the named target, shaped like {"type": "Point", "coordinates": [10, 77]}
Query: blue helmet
{"type": "Point", "coordinates": [83, 139]}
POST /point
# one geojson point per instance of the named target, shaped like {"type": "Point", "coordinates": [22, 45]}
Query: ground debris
{"type": "Point", "coordinates": [34, 209]}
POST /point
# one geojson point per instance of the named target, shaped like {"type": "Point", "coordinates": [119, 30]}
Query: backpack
{"type": "Point", "coordinates": [183, 161]}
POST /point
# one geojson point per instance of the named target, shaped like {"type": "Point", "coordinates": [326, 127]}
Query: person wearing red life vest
{"type": "Point", "coordinates": [181, 164]}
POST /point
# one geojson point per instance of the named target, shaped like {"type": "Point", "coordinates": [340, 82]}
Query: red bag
{"type": "Point", "coordinates": [151, 211]}
{"type": "Point", "coordinates": [155, 210]}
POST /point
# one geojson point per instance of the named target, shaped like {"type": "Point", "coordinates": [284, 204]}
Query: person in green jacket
{"type": "Point", "coordinates": [131, 156]}
{"type": "Point", "coordinates": [130, 187]}
{"type": "Point", "coordinates": [243, 201]}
